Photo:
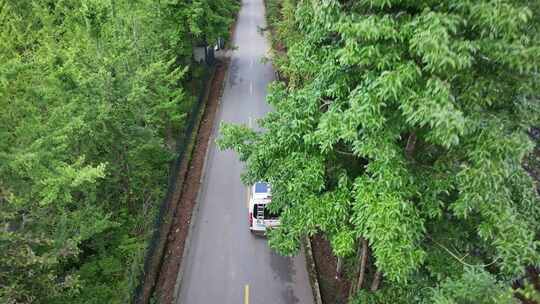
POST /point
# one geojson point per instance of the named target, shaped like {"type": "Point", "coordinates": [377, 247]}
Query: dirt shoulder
{"type": "Point", "coordinates": [178, 234]}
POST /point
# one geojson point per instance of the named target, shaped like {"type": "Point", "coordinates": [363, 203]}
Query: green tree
{"type": "Point", "coordinates": [401, 128]}
{"type": "Point", "coordinates": [93, 94]}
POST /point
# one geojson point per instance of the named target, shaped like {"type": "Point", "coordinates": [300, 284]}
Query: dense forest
{"type": "Point", "coordinates": [93, 94]}
{"type": "Point", "coordinates": [400, 131]}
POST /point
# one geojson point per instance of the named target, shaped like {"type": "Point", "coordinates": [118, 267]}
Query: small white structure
{"type": "Point", "coordinates": [199, 54]}
{"type": "Point", "coordinates": [205, 54]}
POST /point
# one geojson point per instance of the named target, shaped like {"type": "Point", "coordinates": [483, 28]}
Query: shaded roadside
{"type": "Point", "coordinates": [179, 231]}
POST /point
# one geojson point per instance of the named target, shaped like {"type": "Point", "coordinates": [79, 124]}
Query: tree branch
{"type": "Point", "coordinates": [324, 104]}
{"type": "Point", "coordinates": [344, 153]}
{"type": "Point", "coordinates": [462, 258]}
{"type": "Point", "coordinates": [411, 145]}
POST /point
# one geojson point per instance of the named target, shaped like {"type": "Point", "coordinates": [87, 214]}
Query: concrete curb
{"type": "Point", "coordinates": [312, 271]}
{"type": "Point", "coordinates": [195, 211]}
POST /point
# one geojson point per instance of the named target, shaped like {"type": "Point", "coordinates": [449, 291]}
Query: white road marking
{"type": "Point", "coordinates": [251, 64]}
{"type": "Point", "coordinates": [251, 88]}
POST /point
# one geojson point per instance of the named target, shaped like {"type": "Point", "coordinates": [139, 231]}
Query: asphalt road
{"type": "Point", "coordinates": [226, 264]}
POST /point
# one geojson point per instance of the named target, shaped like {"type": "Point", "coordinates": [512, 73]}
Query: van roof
{"type": "Point", "coordinates": [261, 187]}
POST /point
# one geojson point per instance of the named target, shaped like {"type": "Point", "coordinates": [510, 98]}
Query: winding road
{"type": "Point", "coordinates": [225, 263]}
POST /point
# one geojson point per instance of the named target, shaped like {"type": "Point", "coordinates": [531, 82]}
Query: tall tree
{"type": "Point", "coordinates": [93, 94]}
{"type": "Point", "coordinates": [404, 123]}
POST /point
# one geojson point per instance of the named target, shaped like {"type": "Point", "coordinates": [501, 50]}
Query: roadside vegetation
{"type": "Point", "coordinates": [404, 133]}
{"type": "Point", "coordinates": [93, 94]}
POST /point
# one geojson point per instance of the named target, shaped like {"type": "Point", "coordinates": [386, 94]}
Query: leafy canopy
{"type": "Point", "coordinates": [93, 95]}
{"type": "Point", "coordinates": [405, 123]}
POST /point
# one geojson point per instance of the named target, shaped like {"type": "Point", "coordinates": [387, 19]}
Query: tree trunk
{"type": "Point", "coordinates": [354, 280]}
{"type": "Point", "coordinates": [411, 145]}
{"type": "Point", "coordinates": [376, 281]}
{"type": "Point", "coordinates": [363, 262]}
{"type": "Point", "coordinates": [339, 267]}
{"type": "Point", "coordinates": [170, 141]}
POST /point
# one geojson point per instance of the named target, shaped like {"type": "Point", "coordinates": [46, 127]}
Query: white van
{"type": "Point", "coordinates": [260, 217]}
